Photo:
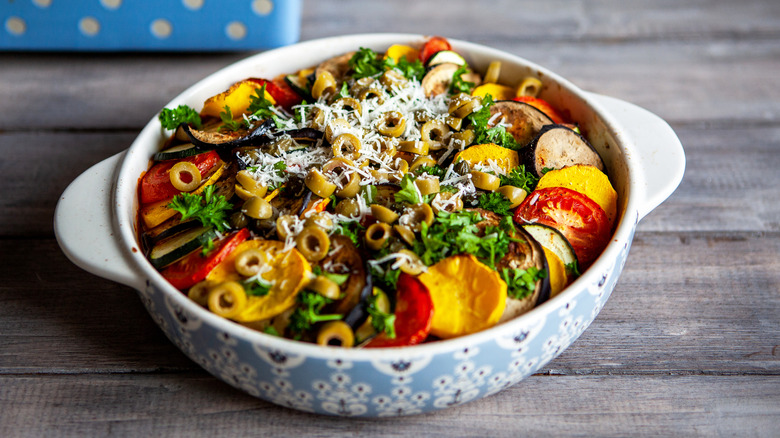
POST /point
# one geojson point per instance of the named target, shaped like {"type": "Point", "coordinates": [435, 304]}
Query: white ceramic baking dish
{"type": "Point", "coordinates": [95, 226]}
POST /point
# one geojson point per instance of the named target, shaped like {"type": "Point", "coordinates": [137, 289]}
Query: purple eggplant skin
{"type": "Point", "coordinates": [346, 260]}
{"type": "Point", "coordinates": [558, 146]}
{"type": "Point", "coordinates": [525, 122]}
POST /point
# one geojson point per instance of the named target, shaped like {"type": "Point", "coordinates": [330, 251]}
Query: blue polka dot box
{"type": "Point", "coordinates": [148, 24]}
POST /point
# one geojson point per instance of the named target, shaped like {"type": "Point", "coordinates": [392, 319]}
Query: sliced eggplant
{"type": "Point", "coordinates": [167, 229]}
{"type": "Point", "coordinates": [174, 248]}
{"type": "Point", "coordinates": [346, 259]}
{"type": "Point", "coordinates": [557, 146]}
{"type": "Point", "coordinates": [554, 241]}
{"type": "Point", "coordinates": [338, 66]}
{"type": "Point", "coordinates": [525, 121]}
{"type": "Point", "coordinates": [445, 56]}
{"type": "Point", "coordinates": [212, 140]}
{"type": "Point", "coordinates": [179, 152]}
{"type": "Point", "coordinates": [438, 79]}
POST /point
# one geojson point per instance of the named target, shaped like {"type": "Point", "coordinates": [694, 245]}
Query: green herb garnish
{"type": "Point", "coordinates": [308, 312]}
{"type": "Point", "coordinates": [458, 84]}
{"type": "Point", "coordinates": [409, 192]}
{"type": "Point", "coordinates": [521, 283]}
{"type": "Point", "coordinates": [519, 177]}
{"type": "Point", "coordinates": [172, 118]}
{"type": "Point", "coordinates": [495, 202]}
{"type": "Point", "coordinates": [351, 230]}
{"type": "Point", "coordinates": [339, 279]}
{"type": "Point", "coordinates": [366, 63]}
{"type": "Point", "coordinates": [381, 321]}
{"type": "Point", "coordinates": [410, 70]}
{"type": "Point", "coordinates": [210, 209]}
{"type": "Point", "coordinates": [434, 170]}
{"type": "Point", "coordinates": [229, 124]}
{"type": "Point", "coordinates": [257, 287]}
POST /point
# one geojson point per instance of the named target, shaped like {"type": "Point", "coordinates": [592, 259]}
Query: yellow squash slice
{"type": "Point", "coordinates": [589, 181]}
{"type": "Point", "coordinates": [236, 97]}
{"type": "Point", "coordinates": [507, 159]}
{"type": "Point", "coordinates": [467, 296]}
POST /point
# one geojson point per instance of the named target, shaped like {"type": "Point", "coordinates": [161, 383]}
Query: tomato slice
{"type": "Point", "coordinates": [195, 267]}
{"type": "Point", "coordinates": [580, 219]}
{"type": "Point", "coordinates": [432, 46]}
{"type": "Point", "coordinates": [543, 106]}
{"type": "Point", "coordinates": [282, 93]}
{"type": "Point", "coordinates": [413, 314]}
{"type": "Point", "coordinates": [156, 183]}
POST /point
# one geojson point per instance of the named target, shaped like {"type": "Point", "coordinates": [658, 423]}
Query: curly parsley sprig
{"type": "Point", "coordinates": [172, 118]}
{"type": "Point", "coordinates": [210, 209]}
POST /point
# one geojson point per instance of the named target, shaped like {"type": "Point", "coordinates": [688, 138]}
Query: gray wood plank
{"type": "Point", "coordinates": [194, 405]}
{"type": "Point", "coordinates": [681, 307]}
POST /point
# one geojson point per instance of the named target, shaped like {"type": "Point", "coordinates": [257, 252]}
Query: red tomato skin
{"type": "Point", "coordinates": [543, 106]}
{"type": "Point", "coordinates": [194, 267]}
{"type": "Point", "coordinates": [432, 46]}
{"type": "Point", "coordinates": [282, 93]}
{"type": "Point", "coordinates": [156, 182]}
{"type": "Point", "coordinates": [553, 205]}
{"type": "Point", "coordinates": [413, 314]}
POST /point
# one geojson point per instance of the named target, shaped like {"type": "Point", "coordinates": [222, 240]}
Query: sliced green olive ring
{"type": "Point", "coordinates": [325, 287]}
{"type": "Point", "coordinates": [257, 208]}
{"type": "Point", "coordinates": [386, 146]}
{"type": "Point", "coordinates": [249, 262]}
{"type": "Point", "coordinates": [529, 86]}
{"type": "Point", "coordinates": [348, 207]}
{"type": "Point", "coordinates": [392, 78]}
{"type": "Point", "coordinates": [383, 214]}
{"type": "Point", "coordinates": [443, 201]}
{"type": "Point", "coordinates": [335, 128]}
{"type": "Point", "coordinates": [319, 183]}
{"type": "Point", "coordinates": [360, 85]}
{"type": "Point", "coordinates": [321, 219]}
{"type": "Point", "coordinates": [411, 264]}
{"type": "Point", "coordinates": [417, 147]}
{"type": "Point", "coordinates": [485, 181]}
{"type": "Point", "coordinates": [336, 334]}
{"type": "Point", "coordinates": [416, 215]}
{"type": "Point", "coordinates": [515, 195]}
{"type": "Point", "coordinates": [324, 85]}
{"type": "Point", "coordinates": [348, 102]}
{"type": "Point", "coordinates": [313, 243]}
{"type": "Point", "coordinates": [284, 224]}
{"type": "Point", "coordinates": [463, 105]}
{"type": "Point", "coordinates": [249, 186]}
{"type": "Point", "coordinates": [227, 299]}
{"type": "Point", "coordinates": [349, 181]}
{"type": "Point", "coordinates": [454, 122]}
{"type": "Point", "coordinates": [185, 176]}
{"type": "Point", "coordinates": [428, 185]}
{"type": "Point", "coordinates": [422, 161]}
{"type": "Point", "coordinates": [391, 124]}
{"type": "Point", "coordinates": [200, 292]}
{"type": "Point", "coordinates": [422, 116]}
{"type": "Point", "coordinates": [400, 168]}
{"type": "Point", "coordinates": [369, 92]}
{"type": "Point", "coordinates": [346, 145]}
{"type": "Point", "coordinates": [463, 138]}
{"type": "Point", "coordinates": [377, 235]}
{"type": "Point", "coordinates": [462, 167]}
{"type": "Point", "coordinates": [405, 233]}
{"type": "Point", "coordinates": [434, 132]}
{"type": "Point", "coordinates": [317, 119]}
{"type": "Point", "coordinates": [492, 73]}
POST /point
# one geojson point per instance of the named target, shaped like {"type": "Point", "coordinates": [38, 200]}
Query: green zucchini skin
{"type": "Point", "coordinates": [176, 247]}
{"type": "Point", "coordinates": [553, 240]}
{"type": "Point", "coordinates": [445, 56]}
{"type": "Point", "coordinates": [179, 152]}
{"type": "Point", "coordinates": [299, 86]}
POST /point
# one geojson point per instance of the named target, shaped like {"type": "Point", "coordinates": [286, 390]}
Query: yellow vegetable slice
{"type": "Point", "coordinates": [288, 273]}
{"type": "Point", "coordinates": [396, 51]}
{"type": "Point", "coordinates": [556, 272]}
{"type": "Point", "coordinates": [499, 92]}
{"type": "Point", "coordinates": [507, 159]}
{"type": "Point", "coordinates": [467, 296]}
{"type": "Point", "coordinates": [589, 181]}
{"type": "Point", "coordinates": [237, 97]}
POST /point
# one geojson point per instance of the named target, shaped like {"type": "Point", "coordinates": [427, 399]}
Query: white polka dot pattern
{"type": "Point", "coordinates": [129, 25]}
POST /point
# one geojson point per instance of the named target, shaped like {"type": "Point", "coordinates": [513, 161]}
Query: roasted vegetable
{"type": "Point", "coordinates": [557, 146]}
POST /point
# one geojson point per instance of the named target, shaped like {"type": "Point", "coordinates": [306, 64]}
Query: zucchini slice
{"type": "Point", "coordinates": [554, 241]}
{"type": "Point", "coordinates": [178, 152]}
{"type": "Point", "coordinates": [299, 85]}
{"type": "Point", "coordinates": [178, 246]}
{"type": "Point", "coordinates": [446, 56]}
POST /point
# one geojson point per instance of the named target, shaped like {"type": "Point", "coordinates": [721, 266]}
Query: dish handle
{"type": "Point", "coordinates": [657, 146]}
{"type": "Point", "coordinates": [84, 228]}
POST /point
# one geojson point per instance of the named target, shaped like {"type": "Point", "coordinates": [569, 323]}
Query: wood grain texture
{"type": "Point", "coordinates": [688, 344]}
{"type": "Point", "coordinates": [192, 404]}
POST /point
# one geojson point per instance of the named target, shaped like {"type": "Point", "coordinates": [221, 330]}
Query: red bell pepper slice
{"type": "Point", "coordinates": [282, 93]}
{"type": "Point", "coordinates": [432, 46]}
{"type": "Point", "coordinates": [413, 314]}
{"type": "Point", "coordinates": [156, 183]}
{"type": "Point", "coordinates": [195, 267]}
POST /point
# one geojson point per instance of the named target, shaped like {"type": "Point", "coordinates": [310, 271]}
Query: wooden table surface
{"type": "Point", "coordinates": [688, 344]}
